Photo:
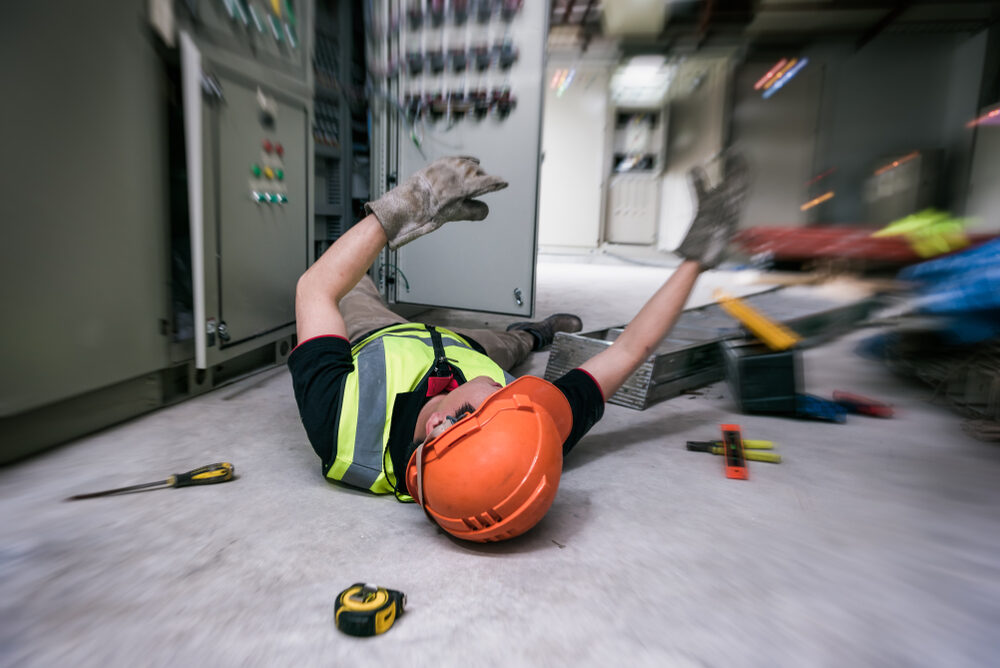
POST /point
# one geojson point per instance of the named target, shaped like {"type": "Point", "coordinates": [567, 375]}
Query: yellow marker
{"type": "Point", "coordinates": [775, 335]}
{"type": "Point", "coordinates": [276, 6]}
{"type": "Point", "coordinates": [268, 172]}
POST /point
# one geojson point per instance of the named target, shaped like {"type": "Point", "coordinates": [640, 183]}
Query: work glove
{"type": "Point", "coordinates": [717, 212]}
{"type": "Point", "coordinates": [441, 192]}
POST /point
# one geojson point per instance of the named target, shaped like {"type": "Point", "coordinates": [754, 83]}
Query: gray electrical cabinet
{"type": "Point", "coordinates": [160, 211]}
{"type": "Point", "coordinates": [458, 77]}
{"type": "Point", "coordinates": [246, 85]}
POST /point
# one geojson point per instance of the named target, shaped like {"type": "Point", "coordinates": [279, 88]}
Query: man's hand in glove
{"type": "Point", "coordinates": [718, 211]}
{"type": "Point", "coordinates": [439, 193]}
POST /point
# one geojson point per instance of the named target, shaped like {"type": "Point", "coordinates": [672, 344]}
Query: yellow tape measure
{"type": "Point", "coordinates": [367, 610]}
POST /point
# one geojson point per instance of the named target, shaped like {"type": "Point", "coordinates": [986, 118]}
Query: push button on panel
{"type": "Point", "coordinates": [268, 198]}
{"type": "Point", "coordinates": [268, 172]}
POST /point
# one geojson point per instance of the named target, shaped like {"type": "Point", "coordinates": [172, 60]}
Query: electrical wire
{"type": "Point", "coordinates": [395, 270]}
{"type": "Point", "coordinates": [641, 263]}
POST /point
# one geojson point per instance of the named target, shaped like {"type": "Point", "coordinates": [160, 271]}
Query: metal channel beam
{"type": "Point", "coordinates": [691, 356]}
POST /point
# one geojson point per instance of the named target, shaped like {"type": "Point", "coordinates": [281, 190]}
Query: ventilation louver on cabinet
{"type": "Point", "coordinates": [334, 191]}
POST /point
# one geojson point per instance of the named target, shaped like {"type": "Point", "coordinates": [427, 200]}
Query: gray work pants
{"type": "Point", "coordinates": [363, 311]}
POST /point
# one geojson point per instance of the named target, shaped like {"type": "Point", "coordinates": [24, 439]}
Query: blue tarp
{"type": "Point", "coordinates": [964, 287]}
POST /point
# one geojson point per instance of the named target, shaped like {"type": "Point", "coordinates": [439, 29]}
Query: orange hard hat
{"type": "Point", "coordinates": [494, 474]}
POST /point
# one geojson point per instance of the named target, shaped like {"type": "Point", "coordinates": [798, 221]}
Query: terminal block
{"type": "Point", "coordinates": [484, 10]}
{"type": "Point", "coordinates": [509, 8]}
{"type": "Point", "coordinates": [483, 57]}
{"type": "Point", "coordinates": [415, 15]}
{"type": "Point", "coordinates": [460, 11]}
{"type": "Point", "coordinates": [437, 106]}
{"type": "Point", "coordinates": [436, 12]}
{"type": "Point", "coordinates": [506, 54]}
{"type": "Point", "coordinates": [503, 102]}
{"type": "Point", "coordinates": [459, 59]}
{"type": "Point", "coordinates": [458, 104]}
{"type": "Point", "coordinates": [436, 60]}
{"type": "Point", "coordinates": [480, 100]}
{"type": "Point", "coordinates": [414, 62]}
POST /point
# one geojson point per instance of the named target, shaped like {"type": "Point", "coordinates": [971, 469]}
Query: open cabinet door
{"type": "Point", "coordinates": [487, 60]}
{"type": "Point", "coordinates": [249, 168]}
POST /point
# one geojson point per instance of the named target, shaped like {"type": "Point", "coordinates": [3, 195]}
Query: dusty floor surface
{"type": "Point", "coordinates": [874, 543]}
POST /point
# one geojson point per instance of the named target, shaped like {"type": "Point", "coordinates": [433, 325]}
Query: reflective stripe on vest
{"type": "Point", "coordinates": [391, 361]}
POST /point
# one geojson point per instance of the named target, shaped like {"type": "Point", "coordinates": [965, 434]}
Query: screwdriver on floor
{"type": "Point", "coordinates": [205, 475]}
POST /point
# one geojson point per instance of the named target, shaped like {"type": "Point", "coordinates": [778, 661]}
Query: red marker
{"type": "Point", "coordinates": [855, 403]}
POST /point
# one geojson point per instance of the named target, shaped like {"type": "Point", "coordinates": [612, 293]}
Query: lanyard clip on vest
{"type": "Point", "coordinates": [441, 376]}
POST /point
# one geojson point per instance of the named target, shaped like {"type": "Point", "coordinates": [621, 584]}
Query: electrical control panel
{"type": "Point", "coordinates": [451, 60]}
{"type": "Point", "coordinates": [455, 59]}
{"type": "Point", "coordinates": [247, 98]}
{"type": "Point", "coordinates": [262, 221]}
{"type": "Point", "coordinates": [268, 31]}
{"type": "Point", "coordinates": [463, 77]}
{"type": "Point", "coordinates": [266, 183]}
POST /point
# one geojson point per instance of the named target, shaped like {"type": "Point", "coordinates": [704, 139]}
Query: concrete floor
{"type": "Point", "coordinates": [874, 543]}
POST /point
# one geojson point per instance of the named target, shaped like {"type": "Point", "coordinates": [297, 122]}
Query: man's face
{"type": "Point", "coordinates": [473, 392]}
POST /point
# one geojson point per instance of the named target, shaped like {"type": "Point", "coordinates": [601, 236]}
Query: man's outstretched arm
{"type": "Point", "coordinates": [443, 191]}
{"type": "Point", "coordinates": [715, 221]}
{"type": "Point", "coordinates": [612, 367]}
{"type": "Point", "coordinates": [320, 289]}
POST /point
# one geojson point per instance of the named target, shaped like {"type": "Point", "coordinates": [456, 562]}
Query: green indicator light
{"type": "Point", "coordinates": [279, 174]}
{"type": "Point", "coordinates": [255, 169]}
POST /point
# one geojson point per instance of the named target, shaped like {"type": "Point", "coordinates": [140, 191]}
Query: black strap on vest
{"type": "Point", "coordinates": [401, 445]}
{"type": "Point", "coordinates": [441, 367]}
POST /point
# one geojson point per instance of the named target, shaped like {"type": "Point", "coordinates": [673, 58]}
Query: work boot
{"type": "Point", "coordinates": [543, 331]}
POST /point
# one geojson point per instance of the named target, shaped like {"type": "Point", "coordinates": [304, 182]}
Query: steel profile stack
{"type": "Point", "coordinates": [691, 356]}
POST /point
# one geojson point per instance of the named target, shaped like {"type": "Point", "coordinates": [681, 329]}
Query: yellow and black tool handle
{"type": "Point", "coordinates": [706, 446]}
{"type": "Point", "coordinates": [751, 450]}
{"type": "Point", "coordinates": [367, 610]}
{"type": "Point", "coordinates": [205, 475]}
{"type": "Point", "coordinates": [752, 455]}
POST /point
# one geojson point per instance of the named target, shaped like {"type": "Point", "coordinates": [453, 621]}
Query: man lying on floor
{"type": "Point", "coordinates": [428, 412]}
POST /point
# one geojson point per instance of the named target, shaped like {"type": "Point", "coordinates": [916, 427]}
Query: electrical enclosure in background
{"type": "Point", "coordinates": [462, 78]}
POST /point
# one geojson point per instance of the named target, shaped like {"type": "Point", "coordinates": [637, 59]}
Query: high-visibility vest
{"type": "Point", "coordinates": [391, 361]}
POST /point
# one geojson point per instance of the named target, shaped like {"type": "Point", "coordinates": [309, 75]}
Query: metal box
{"type": "Point", "coordinates": [762, 380]}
